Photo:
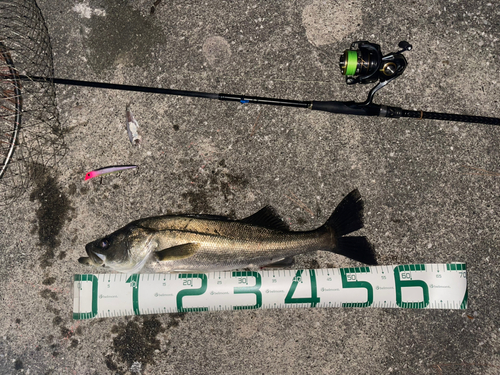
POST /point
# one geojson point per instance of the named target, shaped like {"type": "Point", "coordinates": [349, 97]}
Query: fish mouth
{"type": "Point", "coordinates": [86, 261]}
{"type": "Point", "coordinates": [92, 258]}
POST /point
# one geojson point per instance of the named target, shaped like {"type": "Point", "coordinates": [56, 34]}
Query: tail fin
{"type": "Point", "coordinates": [357, 248]}
{"type": "Point", "coordinates": [347, 218]}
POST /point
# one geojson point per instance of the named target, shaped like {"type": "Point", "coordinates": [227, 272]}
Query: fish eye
{"type": "Point", "coordinates": [104, 243]}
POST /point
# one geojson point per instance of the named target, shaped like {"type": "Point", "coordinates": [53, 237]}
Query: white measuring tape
{"type": "Point", "coordinates": [416, 286]}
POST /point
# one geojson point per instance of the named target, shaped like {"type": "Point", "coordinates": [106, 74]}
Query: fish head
{"type": "Point", "coordinates": [126, 250]}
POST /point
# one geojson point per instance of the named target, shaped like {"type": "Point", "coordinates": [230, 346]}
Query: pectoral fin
{"type": "Point", "coordinates": [178, 252]}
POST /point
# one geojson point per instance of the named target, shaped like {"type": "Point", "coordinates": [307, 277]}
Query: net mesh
{"type": "Point", "coordinates": [31, 137]}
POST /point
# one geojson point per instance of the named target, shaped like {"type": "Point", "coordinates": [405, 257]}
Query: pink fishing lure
{"type": "Point", "coordinates": [106, 170]}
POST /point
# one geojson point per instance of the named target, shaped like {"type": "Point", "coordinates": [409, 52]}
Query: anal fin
{"type": "Point", "coordinates": [178, 252]}
{"type": "Point", "coordinates": [285, 262]}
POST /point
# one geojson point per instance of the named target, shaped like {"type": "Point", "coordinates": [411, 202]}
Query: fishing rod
{"type": "Point", "coordinates": [363, 63]}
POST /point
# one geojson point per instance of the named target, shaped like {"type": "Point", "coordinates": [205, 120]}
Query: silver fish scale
{"type": "Point", "coordinates": [244, 246]}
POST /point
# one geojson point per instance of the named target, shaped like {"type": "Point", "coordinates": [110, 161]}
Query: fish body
{"type": "Point", "coordinates": [179, 243]}
{"type": "Point", "coordinates": [132, 128]}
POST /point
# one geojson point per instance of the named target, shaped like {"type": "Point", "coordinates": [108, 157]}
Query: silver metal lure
{"type": "Point", "coordinates": [132, 128]}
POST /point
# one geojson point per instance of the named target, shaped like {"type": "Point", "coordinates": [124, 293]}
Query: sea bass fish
{"type": "Point", "coordinates": [192, 243]}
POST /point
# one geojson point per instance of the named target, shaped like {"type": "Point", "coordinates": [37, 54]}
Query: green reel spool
{"type": "Point", "coordinates": [349, 63]}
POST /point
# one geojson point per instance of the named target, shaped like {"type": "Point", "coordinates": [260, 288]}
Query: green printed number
{"type": "Point", "coordinates": [349, 280]}
{"type": "Point", "coordinates": [249, 289]}
{"type": "Point", "coordinates": [192, 292]}
{"type": "Point", "coordinates": [313, 300]}
{"type": "Point", "coordinates": [402, 277]}
{"type": "Point", "coordinates": [93, 279]}
{"type": "Point", "coordinates": [134, 283]}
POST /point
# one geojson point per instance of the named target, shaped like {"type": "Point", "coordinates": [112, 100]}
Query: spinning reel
{"type": "Point", "coordinates": [364, 63]}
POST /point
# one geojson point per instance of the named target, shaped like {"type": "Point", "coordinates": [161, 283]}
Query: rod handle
{"type": "Point", "coordinates": [346, 108]}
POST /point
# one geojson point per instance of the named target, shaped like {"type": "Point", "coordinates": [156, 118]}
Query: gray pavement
{"type": "Point", "coordinates": [431, 188]}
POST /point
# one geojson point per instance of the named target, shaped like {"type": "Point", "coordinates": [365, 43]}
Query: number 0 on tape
{"type": "Point", "coordinates": [415, 286]}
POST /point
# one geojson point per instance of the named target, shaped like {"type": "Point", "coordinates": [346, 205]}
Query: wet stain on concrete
{"type": "Point", "coordinates": [198, 201]}
{"type": "Point", "coordinates": [52, 213]}
{"type": "Point", "coordinates": [18, 364]}
{"type": "Point", "coordinates": [49, 294]}
{"type": "Point", "coordinates": [123, 36]}
{"type": "Point", "coordinates": [66, 332]}
{"type": "Point", "coordinates": [49, 281]}
{"type": "Point", "coordinates": [228, 182]}
{"type": "Point", "coordinates": [314, 264]}
{"type": "Point", "coordinates": [110, 363]}
{"type": "Point", "coordinates": [135, 342]}
{"type": "Point", "coordinates": [53, 347]}
{"type": "Point", "coordinates": [72, 189]}
{"type": "Point", "coordinates": [175, 319]}
{"type": "Point", "coordinates": [51, 309]}
{"type": "Point", "coordinates": [129, 353]}
{"type": "Point", "coordinates": [209, 185]}
{"type": "Point", "coordinates": [301, 221]}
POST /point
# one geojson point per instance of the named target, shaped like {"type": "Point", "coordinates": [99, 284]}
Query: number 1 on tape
{"type": "Point", "coordinates": [415, 286]}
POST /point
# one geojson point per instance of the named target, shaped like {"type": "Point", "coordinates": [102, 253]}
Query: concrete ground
{"type": "Point", "coordinates": [431, 188]}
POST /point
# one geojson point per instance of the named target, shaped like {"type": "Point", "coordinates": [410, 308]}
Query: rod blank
{"type": "Point", "coordinates": [347, 108]}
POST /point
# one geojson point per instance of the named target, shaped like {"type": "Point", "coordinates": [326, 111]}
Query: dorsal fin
{"type": "Point", "coordinates": [267, 217]}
